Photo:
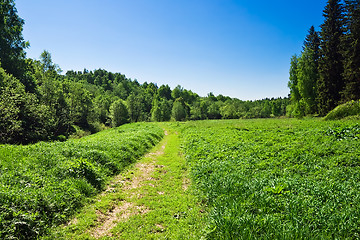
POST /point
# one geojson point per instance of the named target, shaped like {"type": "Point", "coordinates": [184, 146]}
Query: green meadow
{"type": "Point", "coordinates": [247, 179]}
{"type": "Point", "coordinates": [277, 178]}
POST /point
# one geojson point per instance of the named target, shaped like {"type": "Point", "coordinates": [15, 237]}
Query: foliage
{"type": "Point", "coordinates": [178, 110]}
{"type": "Point", "coordinates": [342, 133]}
{"type": "Point", "coordinates": [307, 80]}
{"type": "Point", "coordinates": [331, 68]}
{"type": "Point", "coordinates": [118, 113]}
{"type": "Point", "coordinates": [22, 118]}
{"type": "Point", "coordinates": [41, 185]}
{"type": "Point", "coordinates": [351, 108]}
{"type": "Point", "coordinates": [276, 179]}
{"type": "Point", "coordinates": [12, 43]}
{"type": "Point", "coordinates": [352, 52]}
{"type": "Point", "coordinates": [327, 72]}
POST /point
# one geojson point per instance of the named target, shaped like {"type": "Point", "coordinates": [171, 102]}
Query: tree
{"type": "Point", "coordinates": [178, 111]}
{"type": "Point", "coordinates": [164, 91]}
{"type": "Point", "coordinates": [293, 80]}
{"type": "Point", "coordinates": [312, 42]}
{"type": "Point", "coordinates": [352, 52]}
{"type": "Point", "coordinates": [12, 43]}
{"type": "Point", "coordinates": [331, 82]}
{"type": "Point", "coordinates": [47, 63]}
{"type": "Point", "coordinates": [307, 74]}
{"type": "Point", "coordinates": [137, 108]}
{"type": "Point", "coordinates": [22, 118]}
{"type": "Point", "coordinates": [177, 92]}
{"type": "Point", "coordinates": [118, 113]}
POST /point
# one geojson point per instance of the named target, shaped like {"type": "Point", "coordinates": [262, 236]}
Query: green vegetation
{"type": "Point", "coordinates": [152, 200]}
{"type": "Point", "coordinates": [38, 103]}
{"type": "Point", "coordinates": [348, 109]}
{"type": "Point", "coordinates": [277, 179]}
{"type": "Point", "coordinates": [41, 185]}
{"type": "Point", "coordinates": [327, 72]}
{"type": "Point", "coordinates": [260, 179]}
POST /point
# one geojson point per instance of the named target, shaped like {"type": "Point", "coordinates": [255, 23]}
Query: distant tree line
{"type": "Point", "coordinates": [327, 72]}
{"type": "Point", "coordinates": [37, 102]}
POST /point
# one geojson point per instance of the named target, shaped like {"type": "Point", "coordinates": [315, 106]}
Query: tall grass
{"type": "Point", "coordinates": [41, 185]}
{"type": "Point", "coordinates": [277, 179]}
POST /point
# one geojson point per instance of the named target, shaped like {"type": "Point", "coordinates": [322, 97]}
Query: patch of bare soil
{"type": "Point", "coordinates": [127, 209]}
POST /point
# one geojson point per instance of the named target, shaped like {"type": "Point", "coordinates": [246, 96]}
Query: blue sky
{"type": "Point", "coordinates": [238, 48]}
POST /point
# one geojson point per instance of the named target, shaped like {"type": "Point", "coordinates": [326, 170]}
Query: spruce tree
{"type": "Point", "coordinates": [352, 52]}
{"type": "Point", "coordinates": [331, 68]}
{"type": "Point", "coordinates": [312, 42]}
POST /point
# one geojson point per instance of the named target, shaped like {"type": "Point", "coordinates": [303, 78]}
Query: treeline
{"type": "Point", "coordinates": [51, 104]}
{"type": "Point", "coordinates": [37, 102]}
{"type": "Point", "coordinates": [327, 72]}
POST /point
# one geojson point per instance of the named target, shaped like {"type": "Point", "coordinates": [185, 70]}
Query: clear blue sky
{"type": "Point", "coordinates": [238, 48]}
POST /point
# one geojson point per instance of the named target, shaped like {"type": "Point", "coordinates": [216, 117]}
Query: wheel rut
{"type": "Point", "coordinates": [131, 187]}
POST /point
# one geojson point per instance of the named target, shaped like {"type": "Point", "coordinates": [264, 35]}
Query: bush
{"type": "Point", "coordinates": [351, 108]}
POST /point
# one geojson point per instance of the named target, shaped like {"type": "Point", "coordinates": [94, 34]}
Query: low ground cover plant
{"type": "Point", "coordinates": [277, 179]}
{"type": "Point", "coordinates": [41, 185]}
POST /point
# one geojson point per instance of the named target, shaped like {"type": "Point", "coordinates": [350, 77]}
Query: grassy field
{"type": "Point", "coordinates": [151, 200]}
{"type": "Point", "coordinates": [41, 185]}
{"type": "Point", "coordinates": [277, 178]}
{"type": "Point", "coordinates": [225, 179]}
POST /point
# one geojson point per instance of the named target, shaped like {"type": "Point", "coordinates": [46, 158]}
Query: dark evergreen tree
{"type": "Point", "coordinates": [312, 42]}
{"type": "Point", "coordinates": [352, 52]}
{"type": "Point", "coordinates": [331, 68]}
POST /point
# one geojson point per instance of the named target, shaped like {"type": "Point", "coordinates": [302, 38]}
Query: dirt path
{"type": "Point", "coordinates": [149, 201]}
{"type": "Point", "coordinates": [126, 209]}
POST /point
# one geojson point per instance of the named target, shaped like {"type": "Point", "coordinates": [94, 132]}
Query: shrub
{"type": "Point", "coordinates": [351, 108]}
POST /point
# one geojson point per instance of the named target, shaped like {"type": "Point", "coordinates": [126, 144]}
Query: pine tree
{"type": "Point", "coordinates": [352, 52]}
{"type": "Point", "coordinates": [331, 68]}
{"type": "Point", "coordinates": [312, 42]}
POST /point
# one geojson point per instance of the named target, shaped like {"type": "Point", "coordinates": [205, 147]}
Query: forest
{"type": "Point", "coordinates": [327, 72]}
{"type": "Point", "coordinates": [38, 102]}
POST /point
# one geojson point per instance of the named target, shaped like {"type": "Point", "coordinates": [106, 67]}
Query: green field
{"type": "Point", "coordinates": [252, 179]}
{"type": "Point", "coordinates": [277, 179]}
{"type": "Point", "coordinates": [41, 185]}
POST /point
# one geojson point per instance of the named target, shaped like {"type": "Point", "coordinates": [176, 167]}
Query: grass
{"type": "Point", "coordinates": [277, 179]}
{"type": "Point", "coordinates": [250, 179]}
{"type": "Point", "coordinates": [152, 200]}
{"type": "Point", "coordinates": [41, 185]}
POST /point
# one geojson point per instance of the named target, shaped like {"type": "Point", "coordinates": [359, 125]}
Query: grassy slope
{"type": "Point", "coordinates": [277, 179]}
{"type": "Point", "coordinates": [41, 185]}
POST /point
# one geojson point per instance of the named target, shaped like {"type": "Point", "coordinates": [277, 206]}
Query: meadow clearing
{"type": "Point", "coordinates": [219, 179]}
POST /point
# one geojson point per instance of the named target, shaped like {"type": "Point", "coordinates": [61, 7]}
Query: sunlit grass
{"type": "Point", "coordinates": [277, 179]}
{"type": "Point", "coordinates": [41, 185]}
